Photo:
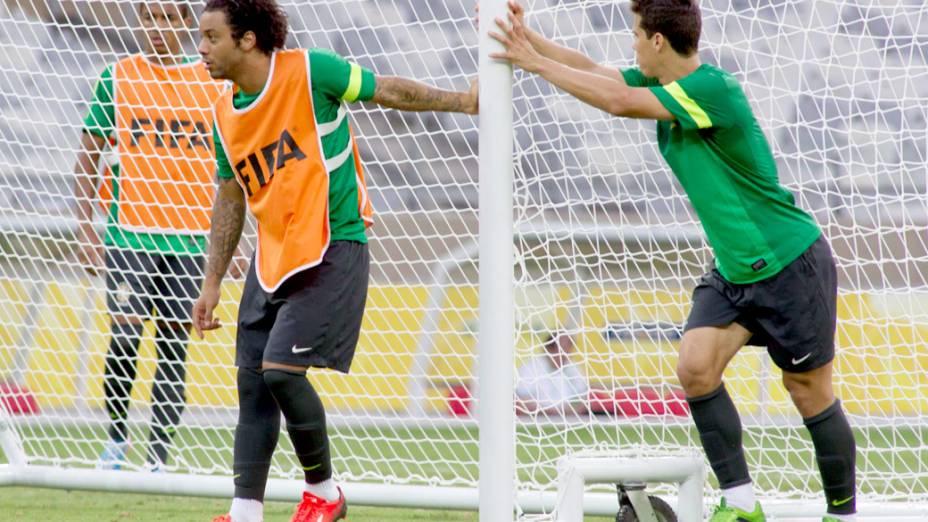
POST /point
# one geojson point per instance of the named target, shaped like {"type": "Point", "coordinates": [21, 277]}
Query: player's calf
{"type": "Point", "coordinates": [305, 416]}
{"type": "Point", "coordinates": [719, 428]}
{"type": "Point", "coordinates": [168, 392]}
{"type": "Point", "coordinates": [256, 435]}
{"type": "Point", "coordinates": [835, 451]}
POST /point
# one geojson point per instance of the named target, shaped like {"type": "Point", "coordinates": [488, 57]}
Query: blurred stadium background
{"type": "Point", "coordinates": [607, 245]}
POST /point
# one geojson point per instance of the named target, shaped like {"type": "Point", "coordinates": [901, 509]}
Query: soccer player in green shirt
{"type": "Point", "coordinates": [774, 281]}
{"type": "Point", "coordinates": [151, 257]}
{"type": "Point", "coordinates": [284, 147]}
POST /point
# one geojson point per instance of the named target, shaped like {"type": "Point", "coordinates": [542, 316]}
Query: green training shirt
{"type": "Point", "coordinates": [717, 150]}
{"type": "Point", "coordinates": [101, 121]}
{"type": "Point", "coordinates": [332, 87]}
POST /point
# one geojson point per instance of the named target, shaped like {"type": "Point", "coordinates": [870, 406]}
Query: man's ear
{"type": "Point", "coordinates": [658, 41]}
{"type": "Point", "coordinates": [248, 41]}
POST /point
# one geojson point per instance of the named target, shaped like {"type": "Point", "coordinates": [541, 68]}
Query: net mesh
{"type": "Point", "coordinates": [608, 248]}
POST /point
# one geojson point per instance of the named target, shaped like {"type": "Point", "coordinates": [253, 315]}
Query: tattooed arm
{"type": "Point", "coordinates": [410, 95]}
{"type": "Point", "coordinates": [225, 229]}
{"type": "Point", "coordinates": [225, 232]}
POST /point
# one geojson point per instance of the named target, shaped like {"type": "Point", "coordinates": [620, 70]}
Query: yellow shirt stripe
{"type": "Point", "coordinates": [691, 107]}
{"type": "Point", "coordinates": [354, 84]}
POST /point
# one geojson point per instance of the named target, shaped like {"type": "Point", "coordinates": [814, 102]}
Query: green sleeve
{"type": "Point", "coordinates": [636, 78]}
{"type": "Point", "coordinates": [338, 78]}
{"type": "Point", "coordinates": [101, 117]}
{"type": "Point", "coordinates": [223, 169]}
{"type": "Point", "coordinates": [701, 100]}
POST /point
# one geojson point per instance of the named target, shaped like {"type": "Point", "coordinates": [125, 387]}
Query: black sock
{"type": "Point", "coordinates": [119, 375]}
{"type": "Point", "coordinates": [835, 451]}
{"type": "Point", "coordinates": [256, 435]}
{"type": "Point", "coordinates": [168, 390]}
{"type": "Point", "coordinates": [305, 416]}
{"type": "Point", "coordinates": [719, 429]}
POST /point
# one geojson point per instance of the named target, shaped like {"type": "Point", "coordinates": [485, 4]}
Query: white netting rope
{"type": "Point", "coordinates": [608, 248]}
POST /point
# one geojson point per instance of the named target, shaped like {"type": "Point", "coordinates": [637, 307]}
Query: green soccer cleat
{"type": "Point", "coordinates": [726, 513]}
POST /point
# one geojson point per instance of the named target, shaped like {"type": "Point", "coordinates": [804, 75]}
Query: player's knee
{"type": "Point", "coordinates": [256, 403]}
{"type": "Point", "coordinates": [125, 338]}
{"type": "Point", "coordinates": [282, 381]}
{"type": "Point", "coordinates": [808, 394]}
{"type": "Point", "coordinates": [250, 385]}
{"type": "Point", "coordinates": [697, 375]}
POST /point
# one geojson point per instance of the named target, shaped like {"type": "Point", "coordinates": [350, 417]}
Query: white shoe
{"type": "Point", "coordinates": [113, 455]}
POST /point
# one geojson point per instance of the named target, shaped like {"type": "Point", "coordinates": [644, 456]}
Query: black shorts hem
{"type": "Point", "coordinates": [710, 308]}
{"type": "Point", "coordinates": [316, 362]}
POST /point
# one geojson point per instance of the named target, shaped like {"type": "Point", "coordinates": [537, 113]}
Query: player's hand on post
{"type": "Point", "coordinates": [519, 51]}
{"type": "Point", "coordinates": [203, 318]}
{"type": "Point", "coordinates": [89, 249]}
{"type": "Point", "coordinates": [514, 7]}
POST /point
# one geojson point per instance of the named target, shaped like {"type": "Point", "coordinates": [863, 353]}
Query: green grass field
{"type": "Point", "coordinates": [891, 459]}
{"type": "Point", "coordinates": [41, 505]}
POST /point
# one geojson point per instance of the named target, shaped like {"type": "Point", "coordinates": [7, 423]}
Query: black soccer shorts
{"type": "Point", "coordinates": [312, 319]}
{"type": "Point", "coordinates": [792, 313]}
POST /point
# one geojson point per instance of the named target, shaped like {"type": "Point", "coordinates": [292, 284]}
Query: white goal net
{"type": "Point", "coordinates": [607, 247]}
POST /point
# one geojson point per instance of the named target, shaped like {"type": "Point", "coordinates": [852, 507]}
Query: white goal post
{"type": "Point", "coordinates": [542, 216]}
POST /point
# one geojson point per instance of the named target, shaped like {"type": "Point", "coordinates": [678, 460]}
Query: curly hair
{"type": "Point", "coordinates": [264, 18]}
{"type": "Point", "coordinates": [678, 20]}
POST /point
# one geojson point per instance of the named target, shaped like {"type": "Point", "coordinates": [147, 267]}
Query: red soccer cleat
{"type": "Point", "coordinates": [315, 509]}
{"type": "Point", "coordinates": [223, 518]}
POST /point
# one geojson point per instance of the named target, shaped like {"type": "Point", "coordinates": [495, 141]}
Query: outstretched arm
{"type": "Point", "coordinates": [560, 54]}
{"type": "Point", "coordinates": [410, 95]}
{"type": "Point", "coordinates": [609, 94]}
{"type": "Point", "coordinates": [225, 232]}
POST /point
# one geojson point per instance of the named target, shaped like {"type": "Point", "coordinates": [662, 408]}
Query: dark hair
{"type": "Point", "coordinates": [262, 17]}
{"type": "Point", "coordinates": [678, 20]}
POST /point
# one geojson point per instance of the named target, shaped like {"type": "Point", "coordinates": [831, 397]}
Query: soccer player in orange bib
{"type": "Point", "coordinates": [154, 109]}
{"type": "Point", "coordinates": [284, 146]}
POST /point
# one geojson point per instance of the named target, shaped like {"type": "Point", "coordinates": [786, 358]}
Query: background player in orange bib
{"type": "Point", "coordinates": [154, 110]}
{"type": "Point", "coordinates": [284, 145]}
